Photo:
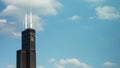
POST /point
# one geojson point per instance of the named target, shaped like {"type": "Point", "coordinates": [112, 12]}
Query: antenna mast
{"type": "Point", "coordinates": [26, 18]}
{"type": "Point", "coordinates": [30, 18]}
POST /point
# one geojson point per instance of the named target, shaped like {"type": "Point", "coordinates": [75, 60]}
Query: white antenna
{"type": "Point", "coordinates": [26, 18]}
{"type": "Point", "coordinates": [30, 18]}
{"type": "Point", "coordinates": [23, 23]}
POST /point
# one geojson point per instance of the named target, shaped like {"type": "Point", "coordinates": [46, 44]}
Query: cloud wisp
{"type": "Point", "coordinates": [74, 18]}
{"type": "Point", "coordinates": [40, 67]}
{"type": "Point", "coordinates": [52, 60]}
{"type": "Point", "coordinates": [10, 66]}
{"type": "Point", "coordinates": [109, 64]}
{"type": "Point", "coordinates": [8, 28]}
{"type": "Point", "coordinates": [95, 1]}
{"type": "Point", "coordinates": [74, 62]}
{"type": "Point", "coordinates": [107, 13]}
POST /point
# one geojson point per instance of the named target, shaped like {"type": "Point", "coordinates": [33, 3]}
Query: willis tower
{"type": "Point", "coordinates": [26, 56]}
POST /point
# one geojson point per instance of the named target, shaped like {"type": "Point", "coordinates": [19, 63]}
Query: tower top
{"type": "Point", "coordinates": [28, 21]}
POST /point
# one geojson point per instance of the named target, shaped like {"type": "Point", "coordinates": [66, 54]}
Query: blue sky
{"type": "Point", "coordinates": [70, 34]}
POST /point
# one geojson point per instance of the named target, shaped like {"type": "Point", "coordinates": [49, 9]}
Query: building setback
{"type": "Point", "coordinates": [26, 57]}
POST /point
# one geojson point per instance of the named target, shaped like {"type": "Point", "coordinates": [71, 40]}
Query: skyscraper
{"type": "Point", "coordinates": [26, 57]}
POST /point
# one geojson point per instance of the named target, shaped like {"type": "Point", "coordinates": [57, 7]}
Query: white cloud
{"type": "Point", "coordinates": [59, 66]}
{"type": "Point", "coordinates": [3, 20]}
{"type": "Point", "coordinates": [10, 66]}
{"type": "Point", "coordinates": [74, 18]}
{"type": "Point", "coordinates": [74, 62]}
{"type": "Point", "coordinates": [52, 60]}
{"type": "Point", "coordinates": [16, 34]}
{"type": "Point", "coordinates": [109, 64]}
{"type": "Point", "coordinates": [107, 13]}
{"type": "Point", "coordinates": [38, 23]}
{"type": "Point", "coordinates": [16, 9]}
{"type": "Point", "coordinates": [40, 67]}
{"type": "Point", "coordinates": [11, 10]}
{"type": "Point", "coordinates": [8, 28]}
{"type": "Point", "coordinates": [41, 7]}
{"type": "Point", "coordinates": [65, 63]}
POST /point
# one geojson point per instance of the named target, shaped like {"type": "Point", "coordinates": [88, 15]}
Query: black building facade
{"type": "Point", "coordinates": [26, 57]}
